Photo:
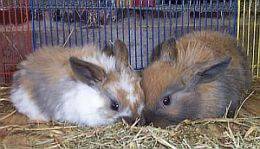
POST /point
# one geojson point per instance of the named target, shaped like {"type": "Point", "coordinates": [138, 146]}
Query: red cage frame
{"type": "Point", "coordinates": [15, 37]}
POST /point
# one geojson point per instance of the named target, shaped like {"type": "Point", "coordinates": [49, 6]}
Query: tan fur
{"type": "Point", "coordinates": [123, 95]}
{"type": "Point", "coordinates": [197, 50]}
{"type": "Point", "coordinates": [208, 100]}
{"type": "Point", "coordinates": [28, 84]}
{"type": "Point", "coordinates": [168, 52]}
{"type": "Point", "coordinates": [155, 81]}
{"type": "Point", "coordinates": [139, 91]}
{"type": "Point", "coordinates": [111, 78]}
{"type": "Point", "coordinates": [50, 72]}
{"type": "Point", "coordinates": [122, 54]}
{"type": "Point", "coordinates": [192, 49]}
{"type": "Point", "coordinates": [54, 61]}
{"type": "Point", "coordinates": [213, 45]}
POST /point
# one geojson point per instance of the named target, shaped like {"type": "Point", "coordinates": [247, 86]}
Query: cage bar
{"type": "Point", "coordinates": [141, 24]}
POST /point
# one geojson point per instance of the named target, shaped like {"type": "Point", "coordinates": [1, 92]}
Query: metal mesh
{"type": "Point", "coordinates": [15, 36]}
{"type": "Point", "coordinates": [141, 24]}
{"type": "Point", "coordinates": [249, 31]}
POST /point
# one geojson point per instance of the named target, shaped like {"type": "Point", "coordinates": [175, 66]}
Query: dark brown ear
{"type": "Point", "coordinates": [121, 51]}
{"type": "Point", "coordinates": [86, 72]}
{"type": "Point", "coordinates": [117, 49]}
{"type": "Point", "coordinates": [165, 51]}
{"type": "Point", "coordinates": [209, 71]}
{"type": "Point", "coordinates": [108, 49]}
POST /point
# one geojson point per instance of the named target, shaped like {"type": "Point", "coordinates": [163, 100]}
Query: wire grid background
{"type": "Point", "coordinates": [141, 24]}
{"type": "Point", "coordinates": [15, 36]}
{"type": "Point", "coordinates": [248, 32]}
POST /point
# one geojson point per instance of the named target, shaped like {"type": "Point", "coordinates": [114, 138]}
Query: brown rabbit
{"type": "Point", "coordinates": [204, 74]}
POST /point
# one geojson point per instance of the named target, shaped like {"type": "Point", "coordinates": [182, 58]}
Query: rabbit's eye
{"type": "Point", "coordinates": [114, 105]}
{"type": "Point", "coordinates": [166, 100]}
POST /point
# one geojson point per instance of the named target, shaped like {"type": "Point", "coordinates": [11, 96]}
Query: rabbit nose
{"type": "Point", "coordinates": [142, 121]}
{"type": "Point", "coordinates": [147, 115]}
{"type": "Point", "coordinates": [129, 120]}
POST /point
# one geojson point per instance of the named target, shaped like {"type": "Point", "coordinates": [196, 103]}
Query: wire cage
{"type": "Point", "coordinates": [26, 25]}
{"type": "Point", "coordinates": [15, 36]}
{"type": "Point", "coordinates": [140, 24]}
{"type": "Point", "coordinates": [249, 31]}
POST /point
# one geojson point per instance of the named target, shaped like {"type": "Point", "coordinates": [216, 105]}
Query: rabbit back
{"type": "Point", "coordinates": [45, 87]}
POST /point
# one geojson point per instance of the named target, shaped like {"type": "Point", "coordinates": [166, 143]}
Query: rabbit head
{"type": "Point", "coordinates": [195, 81]}
{"type": "Point", "coordinates": [118, 84]}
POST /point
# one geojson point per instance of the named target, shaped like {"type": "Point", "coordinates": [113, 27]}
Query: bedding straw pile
{"type": "Point", "coordinates": [242, 132]}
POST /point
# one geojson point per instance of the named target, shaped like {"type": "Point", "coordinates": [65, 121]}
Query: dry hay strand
{"type": "Point", "coordinates": [17, 131]}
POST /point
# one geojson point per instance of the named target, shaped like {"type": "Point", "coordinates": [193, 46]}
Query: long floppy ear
{"type": "Point", "coordinates": [165, 51]}
{"type": "Point", "coordinates": [117, 49]}
{"type": "Point", "coordinates": [86, 72]}
{"type": "Point", "coordinates": [209, 71]}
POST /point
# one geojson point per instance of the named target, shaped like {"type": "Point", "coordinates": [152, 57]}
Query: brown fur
{"type": "Point", "coordinates": [54, 61]}
{"type": "Point", "coordinates": [52, 71]}
{"type": "Point", "coordinates": [167, 53]}
{"type": "Point", "coordinates": [113, 77]}
{"type": "Point", "coordinates": [207, 99]}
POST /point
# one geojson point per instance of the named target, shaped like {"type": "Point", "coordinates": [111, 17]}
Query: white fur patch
{"type": "Point", "coordinates": [108, 63]}
{"type": "Point", "coordinates": [126, 84]}
{"type": "Point", "coordinates": [25, 105]}
{"type": "Point", "coordinates": [83, 105]}
{"type": "Point", "coordinates": [140, 108]}
{"type": "Point", "coordinates": [127, 112]}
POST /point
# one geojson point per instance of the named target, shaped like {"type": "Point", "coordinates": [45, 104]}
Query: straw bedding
{"type": "Point", "coordinates": [16, 131]}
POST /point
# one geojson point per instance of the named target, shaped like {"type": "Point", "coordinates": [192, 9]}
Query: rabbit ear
{"type": "Point", "coordinates": [117, 49]}
{"type": "Point", "coordinates": [87, 72]}
{"type": "Point", "coordinates": [108, 49]}
{"type": "Point", "coordinates": [209, 71]}
{"type": "Point", "coordinates": [121, 51]}
{"type": "Point", "coordinates": [165, 51]}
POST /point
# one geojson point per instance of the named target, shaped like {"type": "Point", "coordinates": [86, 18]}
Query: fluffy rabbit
{"type": "Point", "coordinates": [202, 75]}
{"type": "Point", "coordinates": [85, 86]}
